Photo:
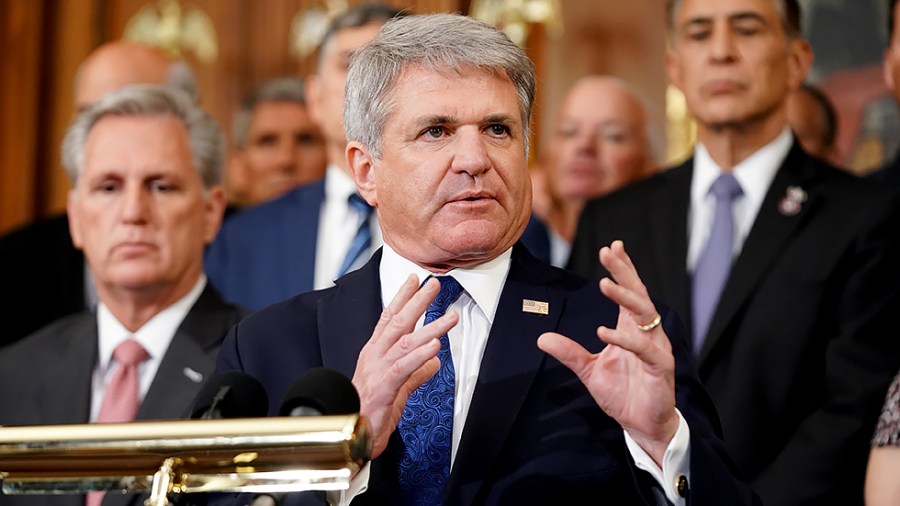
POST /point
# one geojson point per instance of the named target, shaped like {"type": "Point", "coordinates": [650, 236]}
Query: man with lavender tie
{"type": "Point", "coordinates": [487, 377]}
{"type": "Point", "coordinates": [784, 268]}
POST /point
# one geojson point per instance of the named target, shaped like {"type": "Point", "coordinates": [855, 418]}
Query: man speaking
{"type": "Point", "coordinates": [454, 334]}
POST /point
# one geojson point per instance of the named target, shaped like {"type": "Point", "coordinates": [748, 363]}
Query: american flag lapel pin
{"type": "Point", "coordinates": [535, 306]}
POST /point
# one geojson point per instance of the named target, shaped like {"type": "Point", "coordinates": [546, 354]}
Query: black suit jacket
{"type": "Point", "coordinates": [42, 275]}
{"type": "Point", "coordinates": [46, 377]}
{"type": "Point", "coordinates": [799, 353]}
{"type": "Point", "coordinates": [533, 434]}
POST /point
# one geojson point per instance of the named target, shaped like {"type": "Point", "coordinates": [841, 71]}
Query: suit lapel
{"type": "Point", "coordinates": [189, 360]}
{"type": "Point", "coordinates": [771, 232]}
{"type": "Point", "coordinates": [66, 389]}
{"type": "Point", "coordinates": [341, 337]}
{"type": "Point", "coordinates": [509, 365]}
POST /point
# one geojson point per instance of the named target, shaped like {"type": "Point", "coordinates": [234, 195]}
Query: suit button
{"type": "Point", "coordinates": [681, 486]}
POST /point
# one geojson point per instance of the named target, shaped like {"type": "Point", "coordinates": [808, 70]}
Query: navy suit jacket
{"type": "Point", "coordinates": [799, 354]}
{"type": "Point", "coordinates": [46, 378]}
{"type": "Point", "coordinates": [267, 253]}
{"type": "Point", "coordinates": [533, 434]}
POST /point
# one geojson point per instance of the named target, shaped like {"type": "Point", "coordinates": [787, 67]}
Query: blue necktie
{"type": "Point", "coordinates": [426, 425]}
{"type": "Point", "coordinates": [714, 263]}
{"type": "Point", "coordinates": [363, 238]}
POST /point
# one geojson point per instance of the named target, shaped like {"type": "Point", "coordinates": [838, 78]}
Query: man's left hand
{"type": "Point", "coordinates": [633, 377]}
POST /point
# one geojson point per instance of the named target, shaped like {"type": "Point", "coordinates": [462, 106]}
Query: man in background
{"type": "Point", "coordinates": [146, 165]}
{"type": "Point", "coordinates": [317, 232]}
{"type": "Point", "coordinates": [783, 268]}
{"type": "Point", "coordinates": [276, 144]}
{"type": "Point", "coordinates": [600, 143]}
{"type": "Point", "coordinates": [813, 120]}
{"type": "Point", "coordinates": [890, 171]}
{"type": "Point", "coordinates": [44, 275]}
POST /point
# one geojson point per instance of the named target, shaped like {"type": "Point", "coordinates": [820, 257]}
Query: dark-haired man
{"type": "Point", "coordinates": [783, 267]}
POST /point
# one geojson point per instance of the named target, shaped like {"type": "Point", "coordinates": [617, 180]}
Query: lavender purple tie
{"type": "Point", "coordinates": [426, 425]}
{"type": "Point", "coordinates": [714, 263]}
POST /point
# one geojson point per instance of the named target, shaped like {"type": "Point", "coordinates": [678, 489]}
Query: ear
{"type": "Point", "coordinates": [361, 163]}
{"type": "Point", "coordinates": [673, 69]}
{"type": "Point", "coordinates": [74, 224]}
{"type": "Point", "coordinates": [213, 209]}
{"type": "Point", "coordinates": [313, 98]}
{"type": "Point", "coordinates": [887, 66]}
{"type": "Point", "coordinates": [801, 60]}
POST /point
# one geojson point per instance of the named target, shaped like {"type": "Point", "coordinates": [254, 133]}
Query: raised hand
{"type": "Point", "coordinates": [397, 360]}
{"type": "Point", "coordinates": [633, 377]}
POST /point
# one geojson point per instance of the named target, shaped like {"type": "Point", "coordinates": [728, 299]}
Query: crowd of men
{"type": "Point", "coordinates": [595, 329]}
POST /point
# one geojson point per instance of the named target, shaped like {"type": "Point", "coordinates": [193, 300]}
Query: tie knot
{"type": "Point", "coordinates": [130, 353]}
{"type": "Point", "coordinates": [450, 291]}
{"type": "Point", "coordinates": [359, 204]}
{"type": "Point", "coordinates": [726, 187]}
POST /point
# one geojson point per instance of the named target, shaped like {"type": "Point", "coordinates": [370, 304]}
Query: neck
{"type": "Point", "coordinates": [336, 153]}
{"type": "Point", "coordinates": [563, 217]}
{"type": "Point", "coordinates": [134, 307]}
{"type": "Point", "coordinates": [730, 144]}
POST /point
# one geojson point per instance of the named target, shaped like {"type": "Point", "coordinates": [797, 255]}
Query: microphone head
{"type": "Point", "coordinates": [231, 394]}
{"type": "Point", "coordinates": [323, 390]}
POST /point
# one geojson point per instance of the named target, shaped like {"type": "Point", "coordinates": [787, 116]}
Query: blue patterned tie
{"type": "Point", "coordinates": [363, 238]}
{"type": "Point", "coordinates": [426, 425]}
{"type": "Point", "coordinates": [714, 263]}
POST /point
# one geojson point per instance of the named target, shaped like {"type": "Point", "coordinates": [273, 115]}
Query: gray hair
{"type": "Point", "coordinates": [206, 139]}
{"type": "Point", "coordinates": [437, 42]}
{"type": "Point", "coordinates": [181, 76]}
{"type": "Point", "coordinates": [789, 10]}
{"type": "Point", "coordinates": [282, 89]}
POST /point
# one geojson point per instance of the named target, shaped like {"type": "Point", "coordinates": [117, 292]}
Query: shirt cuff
{"type": "Point", "coordinates": [675, 473]}
{"type": "Point", "coordinates": [358, 485]}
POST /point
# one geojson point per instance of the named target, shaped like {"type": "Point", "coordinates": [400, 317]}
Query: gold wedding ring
{"type": "Point", "coordinates": [652, 325]}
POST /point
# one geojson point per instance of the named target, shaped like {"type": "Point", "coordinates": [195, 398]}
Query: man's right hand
{"type": "Point", "coordinates": [398, 359]}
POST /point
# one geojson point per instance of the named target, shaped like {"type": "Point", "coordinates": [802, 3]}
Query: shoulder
{"type": "Point", "coordinates": [643, 194]}
{"type": "Point", "coordinates": [49, 339]}
{"type": "Point", "coordinates": [260, 217]}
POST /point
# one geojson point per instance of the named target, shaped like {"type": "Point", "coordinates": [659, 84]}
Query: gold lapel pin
{"type": "Point", "coordinates": [535, 306]}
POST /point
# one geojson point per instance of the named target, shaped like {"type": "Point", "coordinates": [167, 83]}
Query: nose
{"type": "Point", "coordinates": [286, 156]}
{"type": "Point", "coordinates": [470, 154]}
{"type": "Point", "coordinates": [723, 48]}
{"type": "Point", "coordinates": [135, 202]}
{"type": "Point", "coordinates": [588, 140]}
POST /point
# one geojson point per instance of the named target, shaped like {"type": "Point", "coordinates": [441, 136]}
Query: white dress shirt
{"type": "Point", "coordinates": [754, 174]}
{"type": "Point", "coordinates": [477, 307]}
{"type": "Point", "coordinates": [155, 336]}
{"type": "Point", "coordinates": [338, 223]}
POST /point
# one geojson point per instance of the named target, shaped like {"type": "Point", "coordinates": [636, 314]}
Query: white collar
{"type": "Point", "coordinates": [155, 335]}
{"type": "Point", "coordinates": [483, 282]}
{"type": "Point", "coordinates": [338, 184]}
{"type": "Point", "coordinates": [755, 173]}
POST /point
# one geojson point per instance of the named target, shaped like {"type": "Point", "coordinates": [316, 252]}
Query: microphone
{"type": "Point", "coordinates": [230, 394]}
{"type": "Point", "coordinates": [320, 391]}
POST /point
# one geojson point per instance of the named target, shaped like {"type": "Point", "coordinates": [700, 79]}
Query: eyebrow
{"type": "Point", "coordinates": [734, 17]}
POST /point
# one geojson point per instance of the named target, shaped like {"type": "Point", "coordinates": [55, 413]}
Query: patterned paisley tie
{"type": "Point", "coordinates": [426, 425]}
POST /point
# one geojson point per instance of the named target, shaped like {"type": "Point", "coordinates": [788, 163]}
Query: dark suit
{"type": "Point", "coordinates": [798, 355]}
{"type": "Point", "coordinates": [42, 276]}
{"type": "Point", "coordinates": [267, 253]}
{"type": "Point", "coordinates": [46, 377]}
{"type": "Point", "coordinates": [533, 434]}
